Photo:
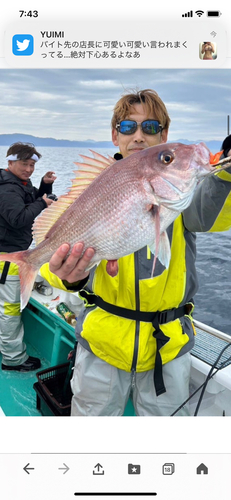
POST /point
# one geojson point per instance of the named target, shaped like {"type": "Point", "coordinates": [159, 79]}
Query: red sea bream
{"type": "Point", "coordinates": [117, 207]}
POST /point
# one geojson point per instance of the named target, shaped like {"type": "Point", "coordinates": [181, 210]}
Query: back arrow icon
{"type": "Point", "coordinates": [66, 468]}
{"type": "Point", "coordinates": [26, 468]}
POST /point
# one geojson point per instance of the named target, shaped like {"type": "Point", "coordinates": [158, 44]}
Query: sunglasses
{"type": "Point", "coordinates": [128, 127]}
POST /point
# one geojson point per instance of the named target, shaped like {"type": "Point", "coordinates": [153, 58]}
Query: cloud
{"type": "Point", "coordinates": [78, 104]}
{"type": "Point", "coordinates": [43, 96]}
{"type": "Point", "coordinates": [100, 84]}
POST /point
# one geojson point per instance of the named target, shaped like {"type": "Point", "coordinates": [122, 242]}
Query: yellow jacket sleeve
{"type": "Point", "coordinates": [52, 278]}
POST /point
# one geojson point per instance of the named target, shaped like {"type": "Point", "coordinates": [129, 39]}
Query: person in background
{"type": "Point", "coordinates": [226, 146]}
{"type": "Point", "coordinates": [119, 354]}
{"type": "Point", "coordinates": [20, 204]}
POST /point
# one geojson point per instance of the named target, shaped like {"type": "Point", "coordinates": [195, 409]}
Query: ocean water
{"type": "Point", "coordinates": [213, 300]}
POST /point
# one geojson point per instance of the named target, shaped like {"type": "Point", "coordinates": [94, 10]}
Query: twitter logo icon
{"type": "Point", "coordinates": [23, 45]}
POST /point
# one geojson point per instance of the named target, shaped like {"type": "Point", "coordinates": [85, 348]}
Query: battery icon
{"type": "Point", "coordinates": [213, 13]}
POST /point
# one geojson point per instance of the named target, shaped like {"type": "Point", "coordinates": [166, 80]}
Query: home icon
{"type": "Point", "coordinates": [202, 469]}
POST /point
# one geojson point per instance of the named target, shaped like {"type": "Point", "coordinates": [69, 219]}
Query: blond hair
{"type": "Point", "coordinates": [153, 103]}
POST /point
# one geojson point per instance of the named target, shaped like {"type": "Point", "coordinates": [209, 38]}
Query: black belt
{"type": "Point", "coordinates": [4, 272]}
{"type": "Point", "coordinates": [156, 318]}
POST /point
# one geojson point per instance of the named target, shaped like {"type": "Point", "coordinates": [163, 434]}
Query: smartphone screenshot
{"type": "Point", "coordinates": [115, 233]}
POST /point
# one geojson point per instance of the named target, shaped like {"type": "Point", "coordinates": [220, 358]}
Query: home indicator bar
{"type": "Point", "coordinates": [117, 494]}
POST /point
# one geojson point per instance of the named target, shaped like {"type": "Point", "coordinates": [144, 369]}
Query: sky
{"type": "Point", "coordinates": [78, 104]}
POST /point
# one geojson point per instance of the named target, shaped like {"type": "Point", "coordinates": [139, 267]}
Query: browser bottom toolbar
{"type": "Point", "coordinates": [66, 476]}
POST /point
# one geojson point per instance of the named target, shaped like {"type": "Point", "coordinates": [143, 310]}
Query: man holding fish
{"type": "Point", "coordinates": [20, 204]}
{"type": "Point", "coordinates": [124, 237]}
{"type": "Point", "coordinates": [115, 354]}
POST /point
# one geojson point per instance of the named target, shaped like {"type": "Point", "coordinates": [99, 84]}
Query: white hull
{"type": "Point", "coordinates": [217, 397]}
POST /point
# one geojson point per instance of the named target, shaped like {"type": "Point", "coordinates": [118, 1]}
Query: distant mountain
{"type": "Point", "coordinates": [8, 139]}
{"type": "Point", "coordinates": [212, 145]}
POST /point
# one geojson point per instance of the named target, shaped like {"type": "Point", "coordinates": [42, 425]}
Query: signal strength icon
{"type": "Point", "coordinates": [188, 14]}
{"type": "Point", "coordinates": [199, 13]}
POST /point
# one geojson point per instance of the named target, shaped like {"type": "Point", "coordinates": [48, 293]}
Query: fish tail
{"type": "Point", "coordinates": [27, 273]}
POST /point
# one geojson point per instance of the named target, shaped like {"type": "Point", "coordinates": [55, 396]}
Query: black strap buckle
{"type": "Point", "coordinates": [163, 317]}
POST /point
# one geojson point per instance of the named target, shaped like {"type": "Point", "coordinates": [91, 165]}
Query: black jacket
{"type": "Point", "coordinates": [20, 204]}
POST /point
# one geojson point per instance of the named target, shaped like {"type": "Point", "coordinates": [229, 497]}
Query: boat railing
{"type": "Point", "coordinates": [212, 331]}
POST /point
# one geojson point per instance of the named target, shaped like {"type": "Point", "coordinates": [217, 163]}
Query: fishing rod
{"type": "Point", "coordinates": [205, 383]}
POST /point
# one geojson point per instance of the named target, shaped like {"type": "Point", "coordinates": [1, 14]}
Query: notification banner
{"type": "Point", "coordinates": [138, 45]}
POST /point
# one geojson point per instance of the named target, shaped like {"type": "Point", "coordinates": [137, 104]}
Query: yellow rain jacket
{"type": "Point", "coordinates": [130, 344]}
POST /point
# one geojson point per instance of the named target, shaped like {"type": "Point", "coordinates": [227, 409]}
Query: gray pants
{"type": "Point", "coordinates": [100, 389]}
{"type": "Point", "coordinates": [12, 347]}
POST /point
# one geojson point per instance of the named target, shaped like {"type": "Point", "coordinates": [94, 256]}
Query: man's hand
{"type": "Point", "coordinates": [47, 200]}
{"type": "Point", "coordinates": [74, 267]}
{"type": "Point", "coordinates": [49, 177]}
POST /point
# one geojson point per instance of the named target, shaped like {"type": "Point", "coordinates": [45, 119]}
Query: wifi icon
{"type": "Point", "coordinates": [199, 13]}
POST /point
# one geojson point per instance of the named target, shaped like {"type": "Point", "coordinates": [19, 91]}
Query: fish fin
{"type": "Point", "coordinates": [157, 239]}
{"type": "Point", "coordinates": [164, 253]}
{"type": "Point", "coordinates": [87, 172]}
{"type": "Point", "coordinates": [92, 264]}
{"type": "Point", "coordinates": [49, 216]}
{"type": "Point", "coordinates": [27, 273]}
{"type": "Point", "coordinates": [109, 160]}
{"type": "Point", "coordinates": [164, 250]}
{"type": "Point", "coordinates": [111, 267]}
{"type": "Point", "coordinates": [99, 162]}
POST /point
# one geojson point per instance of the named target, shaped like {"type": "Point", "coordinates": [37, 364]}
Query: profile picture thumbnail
{"type": "Point", "coordinates": [207, 51]}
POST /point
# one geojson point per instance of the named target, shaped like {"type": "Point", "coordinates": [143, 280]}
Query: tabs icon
{"type": "Point", "coordinates": [168, 469]}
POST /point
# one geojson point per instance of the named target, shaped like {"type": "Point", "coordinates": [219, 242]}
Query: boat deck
{"type": "Point", "coordinates": [47, 337]}
{"type": "Point", "coordinates": [50, 338]}
{"type": "Point", "coordinates": [208, 349]}
{"type": "Point", "coordinates": [17, 394]}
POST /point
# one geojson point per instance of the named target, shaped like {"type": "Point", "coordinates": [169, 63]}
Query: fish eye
{"type": "Point", "coordinates": [166, 157]}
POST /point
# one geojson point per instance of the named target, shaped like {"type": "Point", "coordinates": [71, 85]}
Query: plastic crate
{"type": "Point", "coordinates": [54, 391]}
